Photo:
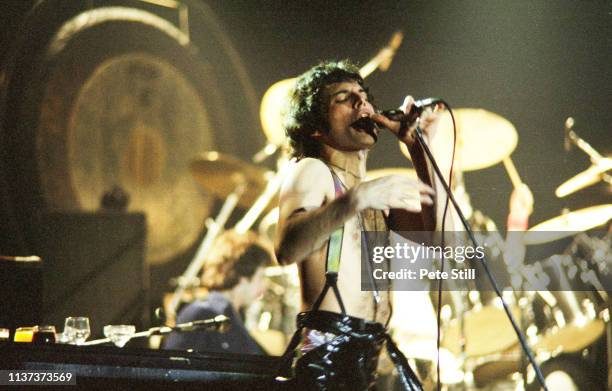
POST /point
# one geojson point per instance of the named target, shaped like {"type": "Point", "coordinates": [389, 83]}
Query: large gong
{"type": "Point", "coordinates": [118, 96]}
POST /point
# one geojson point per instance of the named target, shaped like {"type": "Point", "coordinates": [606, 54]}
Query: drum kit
{"type": "Point", "coordinates": [561, 302]}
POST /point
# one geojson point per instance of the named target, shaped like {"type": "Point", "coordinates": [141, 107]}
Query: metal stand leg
{"type": "Point", "coordinates": [198, 260]}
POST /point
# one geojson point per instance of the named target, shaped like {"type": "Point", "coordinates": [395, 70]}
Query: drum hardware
{"type": "Point", "coordinates": [598, 256]}
{"type": "Point", "coordinates": [274, 181]}
{"type": "Point", "coordinates": [573, 323]}
{"type": "Point", "coordinates": [570, 322]}
{"type": "Point", "coordinates": [211, 234]}
{"type": "Point", "coordinates": [220, 174]}
{"type": "Point", "coordinates": [237, 182]}
{"type": "Point", "coordinates": [230, 179]}
{"type": "Point", "coordinates": [599, 164]}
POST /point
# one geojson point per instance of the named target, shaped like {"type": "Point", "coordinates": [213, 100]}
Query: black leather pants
{"type": "Point", "coordinates": [349, 360]}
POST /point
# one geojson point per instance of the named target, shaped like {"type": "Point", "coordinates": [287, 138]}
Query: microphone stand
{"type": "Point", "coordinates": [485, 262]}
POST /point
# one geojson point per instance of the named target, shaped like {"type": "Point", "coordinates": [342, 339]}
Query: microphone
{"type": "Point", "coordinates": [415, 111]}
{"type": "Point", "coordinates": [218, 323]}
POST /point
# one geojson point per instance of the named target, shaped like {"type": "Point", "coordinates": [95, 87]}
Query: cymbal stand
{"type": "Point", "coordinates": [599, 164]}
{"type": "Point", "coordinates": [264, 199]}
{"type": "Point", "coordinates": [214, 229]}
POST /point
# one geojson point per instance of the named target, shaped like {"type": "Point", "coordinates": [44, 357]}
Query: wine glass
{"type": "Point", "coordinates": [76, 329]}
{"type": "Point", "coordinates": [119, 334]}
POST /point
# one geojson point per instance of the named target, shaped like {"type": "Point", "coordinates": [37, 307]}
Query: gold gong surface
{"type": "Point", "coordinates": [136, 123]}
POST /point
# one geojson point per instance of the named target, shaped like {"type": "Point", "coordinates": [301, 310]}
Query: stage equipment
{"type": "Point", "coordinates": [599, 164]}
{"type": "Point", "coordinates": [101, 96]}
{"type": "Point", "coordinates": [94, 263]}
{"type": "Point", "coordinates": [21, 291]}
{"type": "Point", "coordinates": [475, 128]}
{"type": "Point", "coordinates": [220, 174]}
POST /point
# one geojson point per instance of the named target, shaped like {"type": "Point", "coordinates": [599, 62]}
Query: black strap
{"type": "Point", "coordinates": [331, 280]}
{"type": "Point", "coordinates": [334, 249]}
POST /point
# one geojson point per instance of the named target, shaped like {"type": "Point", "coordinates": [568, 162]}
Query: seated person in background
{"type": "Point", "coordinates": [234, 277]}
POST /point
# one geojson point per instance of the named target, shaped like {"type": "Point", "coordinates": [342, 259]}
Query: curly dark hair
{"type": "Point", "coordinates": [233, 256]}
{"type": "Point", "coordinates": [308, 110]}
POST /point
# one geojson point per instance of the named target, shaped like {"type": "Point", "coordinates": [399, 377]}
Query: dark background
{"type": "Point", "coordinates": [533, 62]}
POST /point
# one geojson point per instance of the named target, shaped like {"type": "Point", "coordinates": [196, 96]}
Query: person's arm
{"type": "Point", "coordinates": [309, 211]}
{"type": "Point", "coordinates": [521, 207]}
{"type": "Point", "coordinates": [425, 219]}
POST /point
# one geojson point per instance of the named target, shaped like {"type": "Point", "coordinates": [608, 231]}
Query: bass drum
{"type": "Point", "coordinates": [117, 96]}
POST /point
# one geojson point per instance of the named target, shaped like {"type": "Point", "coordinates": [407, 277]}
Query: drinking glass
{"type": "Point", "coordinates": [44, 334]}
{"type": "Point", "coordinates": [119, 334]}
{"type": "Point", "coordinates": [76, 329]}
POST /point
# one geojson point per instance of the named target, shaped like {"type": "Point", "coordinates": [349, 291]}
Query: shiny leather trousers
{"type": "Point", "coordinates": [349, 360]}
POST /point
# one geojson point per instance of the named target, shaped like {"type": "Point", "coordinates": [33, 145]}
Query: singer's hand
{"type": "Point", "coordinates": [521, 201]}
{"type": "Point", "coordinates": [428, 122]}
{"type": "Point", "coordinates": [393, 192]}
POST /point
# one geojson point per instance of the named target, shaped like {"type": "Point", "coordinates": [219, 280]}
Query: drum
{"type": "Point", "coordinates": [417, 340]}
{"type": "Point", "coordinates": [271, 320]}
{"type": "Point", "coordinates": [473, 314]}
{"type": "Point", "coordinates": [490, 371]}
{"type": "Point", "coordinates": [570, 323]}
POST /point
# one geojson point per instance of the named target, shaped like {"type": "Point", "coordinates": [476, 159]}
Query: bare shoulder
{"type": "Point", "coordinates": [308, 175]}
{"type": "Point", "coordinates": [308, 184]}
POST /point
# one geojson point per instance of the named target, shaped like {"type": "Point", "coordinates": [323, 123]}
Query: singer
{"type": "Point", "coordinates": [324, 204]}
{"type": "Point", "coordinates": [234, 277]}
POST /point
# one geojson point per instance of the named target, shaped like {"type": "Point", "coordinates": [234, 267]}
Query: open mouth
{"type": "Point", "coordinates": [366, 124]}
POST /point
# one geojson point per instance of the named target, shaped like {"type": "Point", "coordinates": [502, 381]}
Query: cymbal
{"type": "Point", "coordinates": [220, 174]}
{"type": "Point", "coordinates": [272, 110]}
{"type": "Point", "coordinates": [569, 224]}
{"type": "Point", "coordinates": [373, 174]}
{"type": "Point", "coordinates": [483, 138]}
{"type": "Point", "coordinates": [585, 178]}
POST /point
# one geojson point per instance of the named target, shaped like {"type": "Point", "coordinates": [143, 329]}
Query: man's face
{"type": "Point", "coordinates": [253, 288]}
{"type": "Point", "coordinates": [347, 102]}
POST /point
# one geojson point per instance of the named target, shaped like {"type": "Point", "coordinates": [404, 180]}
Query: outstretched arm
{"type": "Point", "coordinates": [309, 211]}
